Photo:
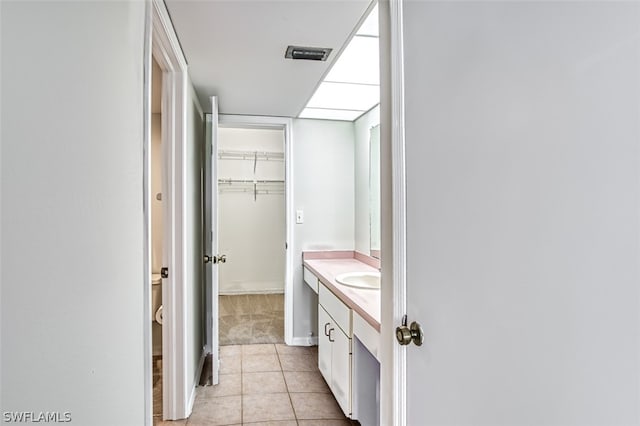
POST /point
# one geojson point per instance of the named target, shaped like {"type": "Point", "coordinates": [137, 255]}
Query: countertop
{"type": "Point", "coordinates": [365, 302]}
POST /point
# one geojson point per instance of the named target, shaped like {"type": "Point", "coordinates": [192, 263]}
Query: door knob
{"type": "Point", "coordinates": [413, 333]}
{"type": "Point", "coordinates": [215, 259]}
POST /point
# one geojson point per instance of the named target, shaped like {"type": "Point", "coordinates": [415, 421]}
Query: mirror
{"type": "Point", "coordinates": [374, 191]}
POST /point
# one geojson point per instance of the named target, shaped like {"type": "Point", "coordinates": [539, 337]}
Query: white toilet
{"type": "Point", "coordinates": [156, 312]}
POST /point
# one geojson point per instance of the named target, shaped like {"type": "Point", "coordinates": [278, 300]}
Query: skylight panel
{"type": "Point", "coordinates": [330, 114]}
{"type": "Point", "coordinates": [352, 85]}
{"type": "Point", "coordinates": [345, 96]}
{"type": "Point", "coordinates": [358, 63]}
{"type": "Point", "coordinates": [370, 25]}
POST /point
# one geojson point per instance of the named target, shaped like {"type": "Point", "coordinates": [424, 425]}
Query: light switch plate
{"type": "Point", "coordinates": [299, 216]}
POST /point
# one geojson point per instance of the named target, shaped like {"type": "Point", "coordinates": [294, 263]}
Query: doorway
{"type": "Point", "coordinates": [212, 229]}
{"type": "Point", "coordinates": [157, 235]}
{"type": "Point", "coordinates": [251, 235]}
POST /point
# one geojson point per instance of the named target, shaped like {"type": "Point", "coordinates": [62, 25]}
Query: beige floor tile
{"type": "Point", "coordinates": [230, 384]}
{"type": "Point", "coordinates": [296, 350]}
{"type": "Point", "coordinates": [230, 351]}
{"type": "Point", "coordinates": [224, 410]}
{"type": "Point", "coordinates": [326, 423]}
{"type": "Point", "coordinates": [261, 383]}
{"type": "Point", "coordinates": [169, 422]}
{"type": "Point", "coordinates": [267, 407]}
{"type": "Point", "coordinates": [305, 381]}
{"type": "Point", "coordinates": [299, 362]}
{"type": "Point", "coordinates": [276, 423]}
{"type": "Point", "coordinates": [231, 365]}
{"type": "Point", "coordinates": [316, 406]}
{"type": "Point", "coordinates": [260, 363]}
{"type": "Point", "coordinates": [260, 349]}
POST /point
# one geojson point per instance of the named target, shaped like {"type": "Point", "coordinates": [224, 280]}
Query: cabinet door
{"type": "Point", "coordinates": [324, 346]}
{"type": "Point", "coordinates": [341, 369]}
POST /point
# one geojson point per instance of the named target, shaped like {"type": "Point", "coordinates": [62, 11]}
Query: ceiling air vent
{"type": "Point", "coordinates": [308, 53]}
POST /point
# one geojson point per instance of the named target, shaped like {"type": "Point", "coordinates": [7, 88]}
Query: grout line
{"type": "Point", "coordinates": [286, 385]}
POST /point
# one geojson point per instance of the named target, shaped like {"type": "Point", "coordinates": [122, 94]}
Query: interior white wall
{"type": "Point", "coordinates": [194, 254]}
{"type": "Point", "coordinates": [362, 132]}
{"type": "Point", "coordinates": [251, 233]}
{"type": "Point", "coordinates": [72, 224]}
{"type": "Point", "coordinates": [323, 177]}
{"type": "Point", "coordinates": [523, 158]}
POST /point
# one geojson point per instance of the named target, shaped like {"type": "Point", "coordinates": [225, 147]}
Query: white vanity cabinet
{"type": "Point", "coordinates": [348, 345]}
{"type": "Point", "coordinates": [334, 346]}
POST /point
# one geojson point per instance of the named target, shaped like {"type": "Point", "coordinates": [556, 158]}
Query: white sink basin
{"type": "Point", "coordinates": [368, 280]}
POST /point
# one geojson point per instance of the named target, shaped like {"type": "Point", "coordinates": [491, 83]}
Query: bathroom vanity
{"type": "Point", "coordinates": [348, 330]}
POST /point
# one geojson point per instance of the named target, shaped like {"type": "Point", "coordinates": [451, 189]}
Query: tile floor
{"type": "Point", "coordinates": [266, 384]}
{"type": "Point", "coordinates": [251, 318]}
{"type": "Point", "coordinates": [157, 387]}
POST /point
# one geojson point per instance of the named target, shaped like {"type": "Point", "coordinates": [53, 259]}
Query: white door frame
{"type": "Point", "coordinates": [286, 124]}
{"type": "Point", "coordinates": [168, 54]}
{"type": "Point", "coordinates": [394, 300]}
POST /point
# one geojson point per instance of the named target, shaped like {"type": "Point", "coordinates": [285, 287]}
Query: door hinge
{"type": "Point", "coordinates": [164, 272]}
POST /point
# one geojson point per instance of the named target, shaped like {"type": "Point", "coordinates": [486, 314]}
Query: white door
{"type": "Point", "coordinates": [522, 189]}
{"type": "Point", "coordinates": [211, 238]}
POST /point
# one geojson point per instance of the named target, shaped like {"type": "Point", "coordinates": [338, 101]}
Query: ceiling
{"type": "Point", "coordinates": [235, 49]}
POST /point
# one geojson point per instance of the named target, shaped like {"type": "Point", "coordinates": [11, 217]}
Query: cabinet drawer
{"type": "Point", "coordinates": [310, 279]}
{"type": "Point", "coordinates": [368, 335]}
{"type": "Point", "coordinates": [340, 313]}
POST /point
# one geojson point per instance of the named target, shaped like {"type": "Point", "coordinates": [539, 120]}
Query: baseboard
{"type": "Point", "coordinates": [304, 341]}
